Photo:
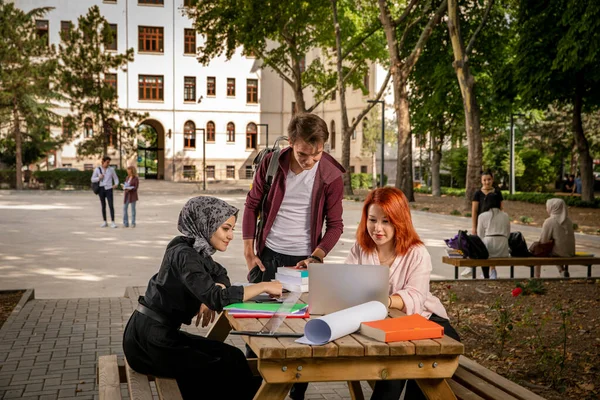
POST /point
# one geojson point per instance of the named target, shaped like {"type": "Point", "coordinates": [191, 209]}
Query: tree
{"type": "Point", "coordinates": [348, 25]}
{"type": "Point", "coordinates": [27, 87]}
{"type": "Point", "coordinates": [371, 140]}
{"type": "Point", "coordinates": [85, 64]}
{"type": "Point", "coordinates": [279, 33]}
{"type": "Point", "coordinates": [399, 24]}
{"type": "Point", "coordinates": [557, 61]}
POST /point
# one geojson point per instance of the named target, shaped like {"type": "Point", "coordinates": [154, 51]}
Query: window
{"type": "Point", "coordinates": [363, 169]}
{"type": "Point", "coordinates": [352, 169]}
{"type": "Point", "coordinates": [333, 94]}
{"type": "Point", "coordinates": [189, 135]}
{"type": "Point", "coordinates": [67, 165]}
{"type": "Point", "coordinates": [65, 26]}
{"type": "Point", "coordinates": [113, 43]}
{"type": "Point", "coordinates": [210, 86]}
{"type": "Point", "coordinates": [231, 87]}
{"type": "Point", "coordinates": [189, 88]}
{"type": "Point", "coordinates": [111, 80]}
{"type": "Point", "coordinates": [366, 80]}
{"type": "Point", "coordinates": [189, 41]}
{"type": "Point", "coordinates": [150, 87]}
{"type": "Point", "coordinates": [248, 170]}
{"type": "Point", "coordinates": [66, 127]}
{"type": "Point", "coordinates": [231, 172]}
{"type": "Point", "coordinates": [150, 39]}
{"type": "Point", "coordinates": [302, 63]}
{"type": "Point", "coordinates": [88, 128]}
{"type": "Point", "coordinates": [110, 130]}
{"type": "Point", "coordinates": [41, 26]}
{"type": "Point", "coordinates": [230, 132]}
{"type": "Point", "coordinates": [189, 171]}
{"type": "Point", "coordinates": [252, 91]}
{"type": "Point", "coordinates": [151, 2]}
{"type": "Point", "coordinates": [293, 108]}
{"type": "Point", "coordinates": [332, 135]}
{"type": "Point", "coordinates": [88, 167]}
{"type": "Point", "coordinates": [210, 171]}
{"type": "Point", "coordinates": [210, 131]}
{"type": "Point", "coordinates": [188, 3]}
{"type": "Point", "coordinates": [251, 136]}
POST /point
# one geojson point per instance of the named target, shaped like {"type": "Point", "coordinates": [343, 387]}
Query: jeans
{"type": "Point", "coordinates": [126, 216]}
{"type": "Point", "coordinates": [107, 194]}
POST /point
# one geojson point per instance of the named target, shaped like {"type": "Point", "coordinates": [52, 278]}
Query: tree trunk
{"type": "Point", "coordinates": [585, 160]}
{"type": "Point", "coordinates": [374, 162]}
{"type": "Point", "coordinates": [18, 149]}
{"type": "Point", "coordinates": [472, 123]}
{"type": "Point", "coordinates": [436, 159]}
{"type": "Point", "coordinates": [404, 176]}
{"type": "Point", "coordinates": [299, 96]}
{"type": "Point", "coordinates": [105, 134]}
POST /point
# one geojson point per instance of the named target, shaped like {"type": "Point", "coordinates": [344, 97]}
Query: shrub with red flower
{"type": "Point", "coordinates": [516, 291]}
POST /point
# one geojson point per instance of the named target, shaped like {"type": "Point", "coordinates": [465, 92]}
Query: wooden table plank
{"type": "Point", "coordinates": [138, 384]}
{"type": "Point", "coordinates": [372, 347]}
{"type": "Point", "coordinates": [293, 349]}
{"type": "Point", "coordinates": [427, 347]}
{"type": "Point", "coordinates": [263, 347]}
{"type": "Point", "coordinates": [450, 346]}
{"type": "Point", "coordinates": [167, 389]}
{"type": "Point", "coordinates": [349, 347]}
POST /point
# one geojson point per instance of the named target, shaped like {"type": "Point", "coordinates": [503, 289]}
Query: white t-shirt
{"type": "Point", "coordinates": [290, 233]}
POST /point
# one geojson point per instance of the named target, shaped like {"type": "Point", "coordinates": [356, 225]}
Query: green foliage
{"type": "Point", "coordinates": [85, 62]}
{"type": "Point", "coordinates": [455, 161]}
{"type": "Point", "coordinates": [33, 149]}
{"type": "Point", "coordinates": [78, 179]}
{"type": "Point", "coordinates": [503, 323]}
{"type": "Point", "coordinates": [532, 286]}
{"type": "Point", "coordinates": [539, 171]}
{"type": "Point", "coordinates": [7, 176]}
{"type": "Point", "coordinates": [455, 212]}
{"type": "Point", "coordinates": [525, 219]}
{"type": "Point", "coordinates": [371, 132]}
{"type": "Point", "coordinates": [362, 181]}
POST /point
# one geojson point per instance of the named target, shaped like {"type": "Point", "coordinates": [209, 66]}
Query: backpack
{"type": "Point", "coordinates": [517, 245]}
{"type": "Point", "coordinates": [96, 185]}
{"type": "Point", "coordinates": [475, 248]}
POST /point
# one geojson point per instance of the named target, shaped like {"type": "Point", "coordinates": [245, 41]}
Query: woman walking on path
{"type": "Point", "coordinates": [131, 195]}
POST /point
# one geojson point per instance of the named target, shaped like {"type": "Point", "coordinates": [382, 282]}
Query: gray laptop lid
{"type": "Point", "coordinates": [334, 287]}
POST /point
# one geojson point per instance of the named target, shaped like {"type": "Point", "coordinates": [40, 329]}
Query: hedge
{"type": "Point", "coordinates": [365, 181]}
{"type": "Point", "coordinates": [8, 176]}
{"type": "Point", "coordinates": [78, 179]}
{"type": "Point", "coordinates": [527, 197]}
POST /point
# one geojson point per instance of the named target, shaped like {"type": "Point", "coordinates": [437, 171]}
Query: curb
{"type": "Point", "coordinates": [28, 295]}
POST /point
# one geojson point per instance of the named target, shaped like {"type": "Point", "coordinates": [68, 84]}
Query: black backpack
{"type": "Point", "coordinates": [517, 245]}
{"type": "Point", "coordinates": [475, 247]}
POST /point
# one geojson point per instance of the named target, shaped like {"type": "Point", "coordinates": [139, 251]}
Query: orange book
{"type": "Point", "coordinates": [411, 327]}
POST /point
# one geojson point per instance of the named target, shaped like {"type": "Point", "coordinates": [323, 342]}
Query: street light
{"type": "Point", "coordinates": [512, 151]}
{"type": "Point", "coordinates": [382, 136]}
{"type": "Point", "coordinates": [267, 133]}
{"type": "Point", "coordinates": [203, 158]}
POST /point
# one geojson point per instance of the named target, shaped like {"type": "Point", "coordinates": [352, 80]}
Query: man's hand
{"type": "Point", "coordinates": [101, 176]}
{"type": "Point", "coordinates": [206, 314]}
{"type": "Point", "coordinates": [115, 186]}
{"type": "Point", "coordinates": [252, 260]}
{"type": "Point", "coordinates": [220, 284]}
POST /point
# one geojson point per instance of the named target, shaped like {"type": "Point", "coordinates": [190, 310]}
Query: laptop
{"type": "Point", "coordinates": [334, 287]}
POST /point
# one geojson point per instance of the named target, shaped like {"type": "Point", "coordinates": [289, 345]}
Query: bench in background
{"type": "Point", "coordinates": [521, 261]}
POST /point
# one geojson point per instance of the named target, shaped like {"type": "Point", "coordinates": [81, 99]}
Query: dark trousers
{"type": "Point", "coordinates": [203, 368]}
{"type": "Point", "coordinates": [107, 194]}
{"type": "Point", "coordinates": [391, 390]}
{"type": "Point", "coordinates": [273, 260]}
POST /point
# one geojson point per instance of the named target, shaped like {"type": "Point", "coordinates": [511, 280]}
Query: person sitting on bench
{"type": "Point", "coordinates": [558, 228]}
{"type": "Point", "coordinates": [190, 283]}
{"type": "Point", "coordinates": [386, 236]}
{"type": "Point", "coordinates": [493, 227]}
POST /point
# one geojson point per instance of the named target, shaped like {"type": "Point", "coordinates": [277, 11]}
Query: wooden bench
{"type": "Point", "coordinates": [530, 262]}
{"type": "Point", "coordinates": [472, 381]}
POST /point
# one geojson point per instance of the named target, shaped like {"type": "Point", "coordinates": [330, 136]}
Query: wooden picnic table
{"type": "Point", "coordinates": [353, 358]}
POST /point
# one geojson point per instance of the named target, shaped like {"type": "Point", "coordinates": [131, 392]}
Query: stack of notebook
{"type": "Point", "coordinates": [264, 310]}
{"type": "Point", "coordinates": [294, 280]}
{"type": "Point", "coordinates": [454, 253]}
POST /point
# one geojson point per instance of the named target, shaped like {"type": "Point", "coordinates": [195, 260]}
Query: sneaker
{"type": "Point", "coordinates": [493, 274]}
{"type": "Point", "coordinates": [466, 272]}
{"type": "Point", "coordinates": [104, 225]}
{"type": "Point", "coordinates": [565, 274]}
{"type": "Point", "coordinates": [133, 225]}
{"type": "Point", "coordinates": [125, 226]}
{"type": "Point", "coordinates": [113, 225]}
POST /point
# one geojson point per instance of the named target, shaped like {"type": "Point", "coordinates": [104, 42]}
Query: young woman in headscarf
{"type": "Point", "coordinates": [190, 283]}
{"type": "Point", "coordinates": [559, 228]}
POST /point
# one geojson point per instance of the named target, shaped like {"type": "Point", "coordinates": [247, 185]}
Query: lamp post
{"type": "Point", "coordinates": [267, 133]}
{"type": "Point", "coordinates": [382, 136]}
{"type": "Point", "coordinates": [512, 151]}
{"type": "Point", "coordinates": [203, 158]}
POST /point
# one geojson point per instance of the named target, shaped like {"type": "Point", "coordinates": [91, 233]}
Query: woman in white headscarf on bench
{"type": "Point", "coordinates": [558, 228]}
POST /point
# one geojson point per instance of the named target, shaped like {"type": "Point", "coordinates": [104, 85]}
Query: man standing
{"type": "Point", "coordinates": [108, 181]}
{"type": "Point", "coordinates": [306, 193]}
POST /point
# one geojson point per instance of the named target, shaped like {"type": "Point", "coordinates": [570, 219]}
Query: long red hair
{"type": "Point", "coordinates": [395, 206]}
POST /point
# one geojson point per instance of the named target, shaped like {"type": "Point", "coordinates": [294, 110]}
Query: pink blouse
{"type": "Point", "coordinates": [409, 278]}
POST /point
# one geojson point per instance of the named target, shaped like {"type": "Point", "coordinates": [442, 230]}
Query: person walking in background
{"type": "Point", "coordinates": [559, 229]}
{"type": "Point", "coordinates": [493, 227]}
{"type": "Point", "coordinates": [131, 195]}
{"type": "Point", "coordinates": [107, 177]}
{"type": "Point", "coordinates": [487, 187]}
{"type": "Point", "coordinates": [387, 236]}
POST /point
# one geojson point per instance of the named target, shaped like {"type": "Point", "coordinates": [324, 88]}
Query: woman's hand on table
{"type": "Point", "coordinates": [273, 288]}
{"type": "Point", "coordinates": [205, 314]}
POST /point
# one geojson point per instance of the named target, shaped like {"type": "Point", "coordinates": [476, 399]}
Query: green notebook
{"type": "Point", "coordinates": [262, 307]}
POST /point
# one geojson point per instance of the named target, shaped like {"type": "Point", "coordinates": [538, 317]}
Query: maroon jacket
{"type": "Point", "coordinates": [327, 195]}
{"type": "Point", "coordinates": [132, 195]}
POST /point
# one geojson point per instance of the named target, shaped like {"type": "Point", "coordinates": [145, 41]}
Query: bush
{"type": "Point", "coordinates": [455, 212]}
{"type": "Point", "coordinates": [78, 179]}
{"type": "Point", "coordinates": [8, 176]}
{"type": "Point", "coordinates": [364, 181]}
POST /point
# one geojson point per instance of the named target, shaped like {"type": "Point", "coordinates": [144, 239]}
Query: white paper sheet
{"type": "Point", "coordinates": [333, 326]}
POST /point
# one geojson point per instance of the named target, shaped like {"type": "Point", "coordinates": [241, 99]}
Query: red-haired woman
{"type": "Point", "coordinates": [386, 236]}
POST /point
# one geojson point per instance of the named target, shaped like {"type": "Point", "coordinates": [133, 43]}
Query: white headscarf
{"type": "Point", "coordinates": [557, 209]}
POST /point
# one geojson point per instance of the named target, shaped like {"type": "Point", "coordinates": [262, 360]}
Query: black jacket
{"type": "Point", "coordinates": [186, 280]}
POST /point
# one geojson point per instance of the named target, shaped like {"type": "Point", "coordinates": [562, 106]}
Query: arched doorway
{"type": "Point", "coordinates": [150, 151]}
